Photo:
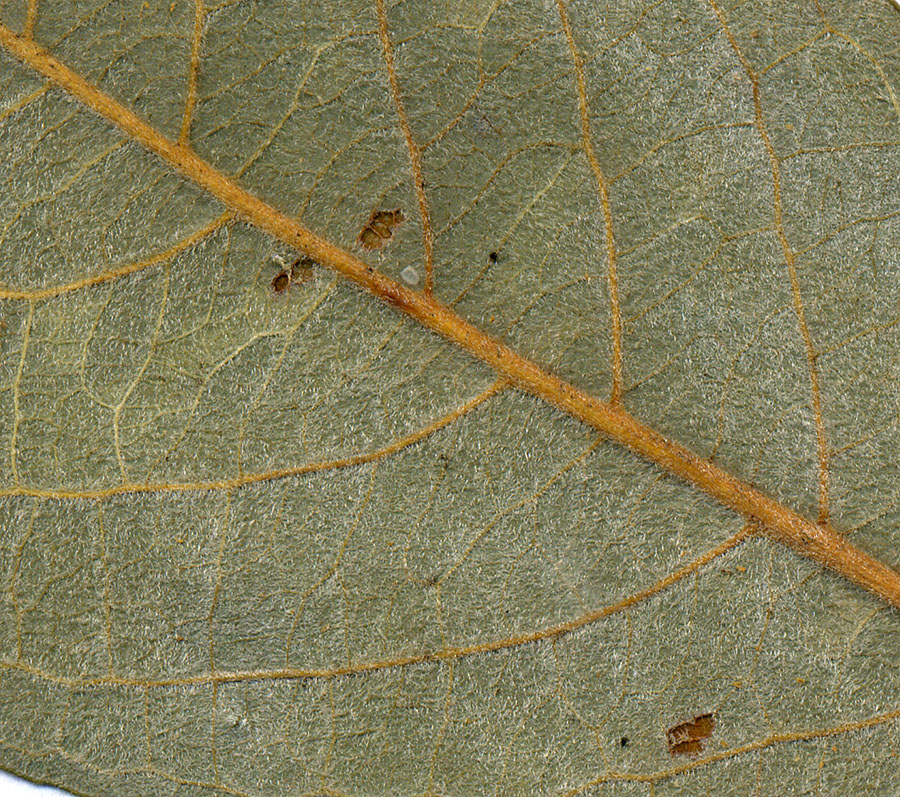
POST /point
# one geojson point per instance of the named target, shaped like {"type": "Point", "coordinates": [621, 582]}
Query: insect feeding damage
{"type": "Point", "coordinates": [301, 271]}
{"type": "Point", "coordinates": [686, 738]}
{"type": "Point", "coordinates": [281, 282]}
{"type": "Point", "coordinates": [379, 229]}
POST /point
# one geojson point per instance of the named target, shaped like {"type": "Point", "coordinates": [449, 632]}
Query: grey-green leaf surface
{"type": "Point", "coordinates": [280, 544]}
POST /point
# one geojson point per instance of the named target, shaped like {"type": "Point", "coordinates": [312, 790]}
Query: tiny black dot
{"type": "Point", "coordinates": [493, 257]}
{"type": "Point", "coordinates": [624, 741]}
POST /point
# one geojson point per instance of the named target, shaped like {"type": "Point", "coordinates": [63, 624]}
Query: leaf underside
{"type": "Point", "coordinates": [282, 543]}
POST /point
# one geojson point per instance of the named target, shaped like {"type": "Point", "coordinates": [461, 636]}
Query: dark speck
{"type": "Point", "coordinates": [623, 742]}
{"type": "Point", "coordinates": [493, 257]}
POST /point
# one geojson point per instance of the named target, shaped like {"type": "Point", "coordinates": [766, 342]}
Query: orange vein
{"type": "Point", "coordinates": [147, 768]}
{"type": "Point", "coordinates": [818, 542]}
{"type": "Point", "coordinates": [28, 98]}
{"type": "Point", "coordinates": [254, 478]}
{"type": "Point", "coordinates": [811, 354]}
{"type": "Point", "coordinates": [16, 389]}
{"type": "Point", "coordinates": [14, 578]}
{"type": "Point", "coordinates": [107, 605]}
{"type": "Point", "coordinates": [193, 73]}
{"type": "Point", "coordinates": [602, 186]}
{"type": "Point", "coordinates": [160, 257]}
{"type": "Point", "coordinates": [415, 155]}
{"type": "Point", "coordinates": [30, 18]}
{"type": "Point", "coordinates": [443, 654]}
{"type": "Point", "coordinates": [876, 65]}
{"type": "Point", "coordinates": [750, 747]}
{"type": "Point", "coordinates": [222, 534]}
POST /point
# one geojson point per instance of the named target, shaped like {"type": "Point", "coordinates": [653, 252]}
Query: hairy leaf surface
{"type": "Point", "coordinates": [260, 542]}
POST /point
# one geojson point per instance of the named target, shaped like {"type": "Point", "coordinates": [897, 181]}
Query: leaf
{"type": "Point", "coordinates": [259, 542]}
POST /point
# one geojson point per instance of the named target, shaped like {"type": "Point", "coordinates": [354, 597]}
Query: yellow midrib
{"type": "Point", "coordinates": [819, 542]}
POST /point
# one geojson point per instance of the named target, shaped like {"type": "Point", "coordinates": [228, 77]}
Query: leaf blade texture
{"type": "Point", "coordinates": [374, 567]}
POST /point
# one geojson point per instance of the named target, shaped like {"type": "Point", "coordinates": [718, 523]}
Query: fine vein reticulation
{"type": "Point", "coordinates": [818, 541]}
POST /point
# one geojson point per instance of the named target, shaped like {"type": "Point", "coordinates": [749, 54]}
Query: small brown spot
{"type": "Point", "coordinates": [493, 257]}
{"type": "Point", "coordinates": [381, 225]}
{"type": "Point", "coordinates": [369, 239]}
{"type": "Point", "coordinates": [281, 282]}
{"type": "Point", "coordinates": [687, 738]}
{"type": "Point", "coordinates": [301, 271]}
{"type": "Point", "coordinates": [379, 229]}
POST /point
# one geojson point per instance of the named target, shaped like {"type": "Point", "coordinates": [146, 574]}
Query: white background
{"type": "Point", "coordinates": [11, 786]}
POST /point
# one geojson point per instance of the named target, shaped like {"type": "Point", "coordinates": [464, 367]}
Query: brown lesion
{"type": "Point", "coordinates": [281, 282]}
{"type": "Point", "coordinates": [379, 230]}
{"type": "Point", "coordinates": [299, 272]}
{"type": "Point", "coordinates": [687, 738]}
